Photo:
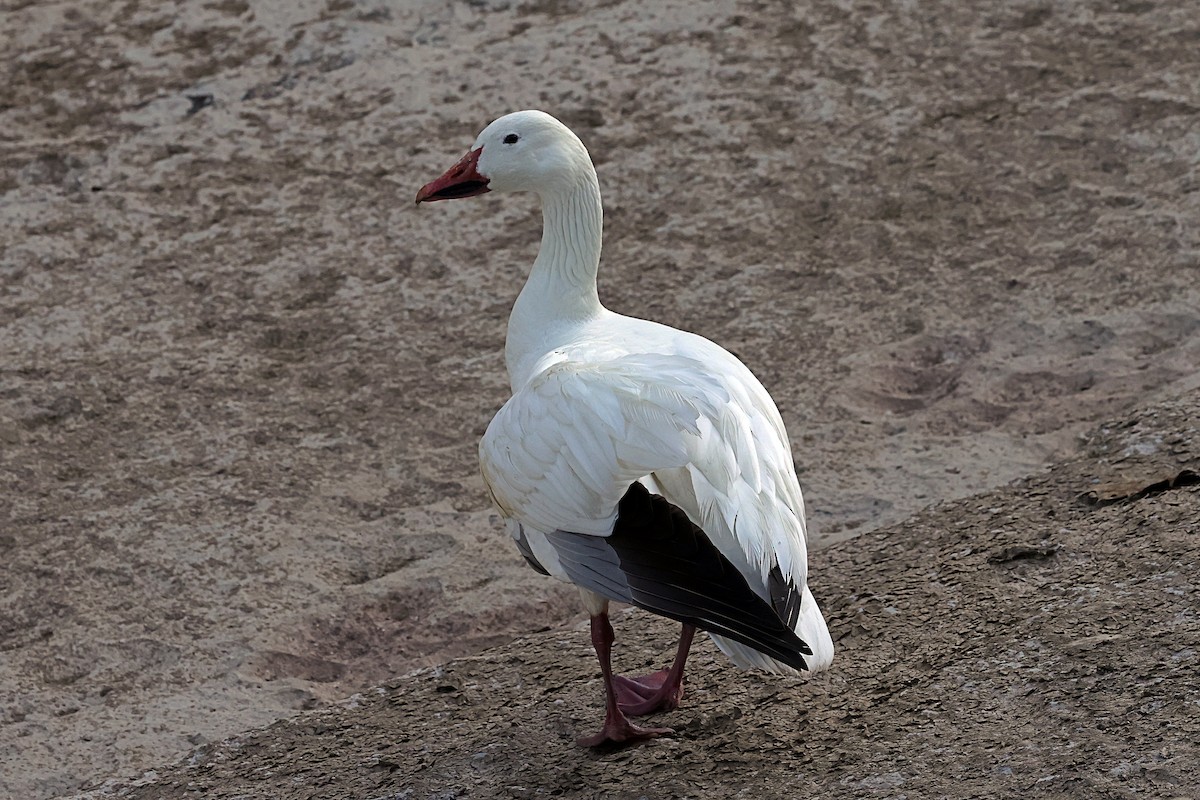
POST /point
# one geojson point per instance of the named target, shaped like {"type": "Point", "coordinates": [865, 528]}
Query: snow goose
{"type": "Point", "coordinates": [644, 464]}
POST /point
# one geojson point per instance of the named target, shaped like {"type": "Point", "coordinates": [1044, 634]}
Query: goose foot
{"type": "Point", "coordinates": [619, 730]}
{"type": "Point", "coordinates": [659, 691]}
{"type": "Point", "coordinates": [617, 727]}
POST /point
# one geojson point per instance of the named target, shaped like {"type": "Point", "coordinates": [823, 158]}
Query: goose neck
{"type": "Point", "coordinates": [560, 293]}
{"type": "Point", "coordinates": [572, 229]}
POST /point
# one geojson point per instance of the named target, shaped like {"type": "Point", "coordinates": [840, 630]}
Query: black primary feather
{"type": "Point", "coordinates": [657, 559]}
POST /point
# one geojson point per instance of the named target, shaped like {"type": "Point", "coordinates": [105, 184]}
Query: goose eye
{"type": "Point", "coordinates": [512, 138]}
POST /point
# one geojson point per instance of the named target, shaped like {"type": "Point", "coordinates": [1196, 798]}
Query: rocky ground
{"type": "Point", "coordinates": [1039, 640]}
{"type": "Point", "coordinates": [242, 380]}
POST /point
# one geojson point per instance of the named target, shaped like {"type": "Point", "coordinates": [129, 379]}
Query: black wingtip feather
{"type": "Point", "coordinates": [673, 569]}
{"type": "Point", "coordinates": [785, 597]}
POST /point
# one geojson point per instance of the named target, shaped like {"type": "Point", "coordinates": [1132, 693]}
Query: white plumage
{"type": "Point", "coordinates": [599, 413]}
{"type": "Point", "coordinates": [601, 401]}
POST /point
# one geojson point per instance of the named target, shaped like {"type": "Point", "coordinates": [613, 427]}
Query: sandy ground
{"type": "Point", "coordinates": [242, 378]}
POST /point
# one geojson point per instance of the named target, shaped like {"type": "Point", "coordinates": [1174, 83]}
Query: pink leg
{"type": "Point", "coordinates": [660, 691]}
{"type": "Point", "coordinates": [617, 727]}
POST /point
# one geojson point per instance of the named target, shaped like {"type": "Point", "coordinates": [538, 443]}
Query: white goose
{"type": "Point", "coordinates": [644, 464]}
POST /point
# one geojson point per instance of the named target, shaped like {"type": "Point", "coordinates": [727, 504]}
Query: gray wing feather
{"type": "Point", "coordinates": [590, 562]}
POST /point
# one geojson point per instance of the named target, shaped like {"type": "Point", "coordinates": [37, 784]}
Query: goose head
{"type": "Point", "coordinates": [527, 151]}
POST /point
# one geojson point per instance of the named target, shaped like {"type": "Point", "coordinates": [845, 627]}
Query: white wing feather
{"type": "Point", "coordinates": [693, 422]}
{"type": "Point", "coordinates": [563, 450]}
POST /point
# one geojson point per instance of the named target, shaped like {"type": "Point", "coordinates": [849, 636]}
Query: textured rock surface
{"type": "Point", "coordinates": [1024, 642]}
